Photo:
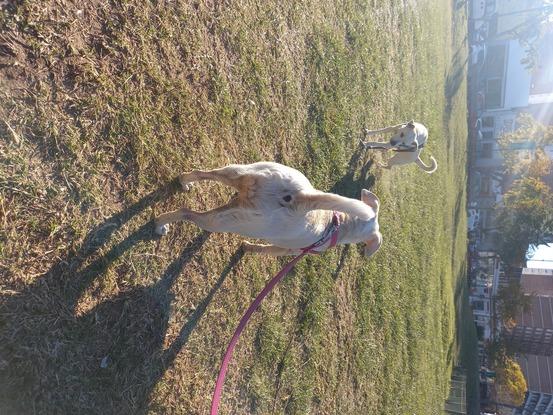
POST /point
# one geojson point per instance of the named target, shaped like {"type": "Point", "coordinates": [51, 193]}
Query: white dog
{"type": "Point", "coordinates": [408, 141]}
{"type": "Point", "coordinates": [278, 204]}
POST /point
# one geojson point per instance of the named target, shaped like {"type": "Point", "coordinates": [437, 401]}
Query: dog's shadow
{"type": "Point", "coordinates": [357, 177]}
{"type": "Point", "coordinates": [109, 358]}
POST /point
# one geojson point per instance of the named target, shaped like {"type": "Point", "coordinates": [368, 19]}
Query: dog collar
{"type": "Point", "coordinates": [329, 234]}
{"type": "Point", "coordinates": [409, 148]}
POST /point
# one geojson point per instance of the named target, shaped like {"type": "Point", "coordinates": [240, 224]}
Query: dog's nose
{"type": "Point", "coordinates": [394, 142]}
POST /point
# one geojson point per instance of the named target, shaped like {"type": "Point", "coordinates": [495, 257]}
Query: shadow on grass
{"type": "Point", "coordinates": [454, 231]}
{"type": "Point", "coordinates": [108, 359]}
{"type": "Point", "coordinates": [341, 262]}
{"type": "Point", "coordinates": [350, 185]}
{"type": "Point", "coordinates": [454, 79]}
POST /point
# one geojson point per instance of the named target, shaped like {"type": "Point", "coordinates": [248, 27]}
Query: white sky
{"type": "Point", "coordinates": [543, 257]}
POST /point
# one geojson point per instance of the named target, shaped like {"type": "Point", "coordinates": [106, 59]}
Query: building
{"type": "Point", "coordinates": [534, 330]}
{"type": "Point", "coordinates": [536, 404]}
{"type": "Point", "coordinates": [533, 337]}
{"type": "Point", "coordinates": [486, 269]}
{"type": "Point", "coordinates": [533, 334]}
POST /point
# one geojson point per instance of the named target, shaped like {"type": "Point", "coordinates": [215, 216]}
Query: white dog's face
{"type": "Point", "coordinates": [406, 135]}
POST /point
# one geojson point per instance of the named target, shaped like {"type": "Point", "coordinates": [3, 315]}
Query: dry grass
{"type": "Point", "coordinates": [103, 103]}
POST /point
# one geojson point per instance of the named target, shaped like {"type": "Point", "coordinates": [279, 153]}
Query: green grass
{"type": "Point", "coordinates": [100, 107]}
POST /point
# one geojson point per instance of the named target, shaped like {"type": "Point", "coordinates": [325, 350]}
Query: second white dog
{"type": "Point", "coordinates": [407, 143]}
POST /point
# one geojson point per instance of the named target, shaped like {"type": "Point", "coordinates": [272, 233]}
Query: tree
{"type": "Point", "coordinates": [500, 350]}
{"type": "Point", "coordinates": [524, 218]}
{"type": "Point", "coordinates": [536, 136]}
{"type": "Point", "coordinates": [540, 165]}
{"type": "Point", "coordinates": [510, 385]}
{"type": "Point", "coordinates": [510, 382]}
{"type": "Point", "coordinates": [511, 300]}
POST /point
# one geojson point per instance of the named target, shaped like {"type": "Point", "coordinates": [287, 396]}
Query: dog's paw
{"type": "Point", "coordinates": [162, 229]}
{"type": "Point", "coordinates": [186, 186]}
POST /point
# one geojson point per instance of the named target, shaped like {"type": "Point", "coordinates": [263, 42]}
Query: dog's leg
{"type": "Point", "coordinates": [384, 166]}
{"type": "Point", "coordinates": [229, 175]}
{"type": "Point", "coordinates": [162, 221]}
{"type": "Point", "coordinates": [268, 249]}
{"type": "Point", "coordinates": [382, 130]}
{"type": "Point", "coordinates": [209, 221]}
{"type": "Point", "coordinates": [375, 145]}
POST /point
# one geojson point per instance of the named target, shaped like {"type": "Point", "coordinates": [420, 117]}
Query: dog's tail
{"type": "Point", "coordinates": [330, 201]}
{"type": "Point", "coordinates": [429, 169]}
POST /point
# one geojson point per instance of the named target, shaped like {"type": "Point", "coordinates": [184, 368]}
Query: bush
{"type": "Point", "coordinates": [511, 384]}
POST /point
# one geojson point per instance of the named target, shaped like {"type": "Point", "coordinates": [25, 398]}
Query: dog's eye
{"type": "Point", "coordinates": [287, 198]}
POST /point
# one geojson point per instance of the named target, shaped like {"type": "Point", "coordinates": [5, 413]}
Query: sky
{"type": "Point", "coordinates": [543, 257]}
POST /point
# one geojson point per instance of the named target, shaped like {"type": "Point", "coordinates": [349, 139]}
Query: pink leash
{"type": "Point", "coordinates": [330, 234]}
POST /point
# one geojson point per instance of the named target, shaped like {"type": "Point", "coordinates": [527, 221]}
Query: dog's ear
{"type": "Point", "coordinates": [370, 199]}
{"type": "Point", "coordinates": [372, 245]}
{"type": "Point", "coordinates": [411, 124]}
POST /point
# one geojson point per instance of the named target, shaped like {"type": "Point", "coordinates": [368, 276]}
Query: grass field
{"type": "Point", "coordinates": [103, 104]}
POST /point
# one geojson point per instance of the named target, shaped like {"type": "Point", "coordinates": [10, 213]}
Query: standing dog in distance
{"type": "Point", "coordinates": [278, 204]}
{"type": "Point", "coordinates": [407, 143]}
